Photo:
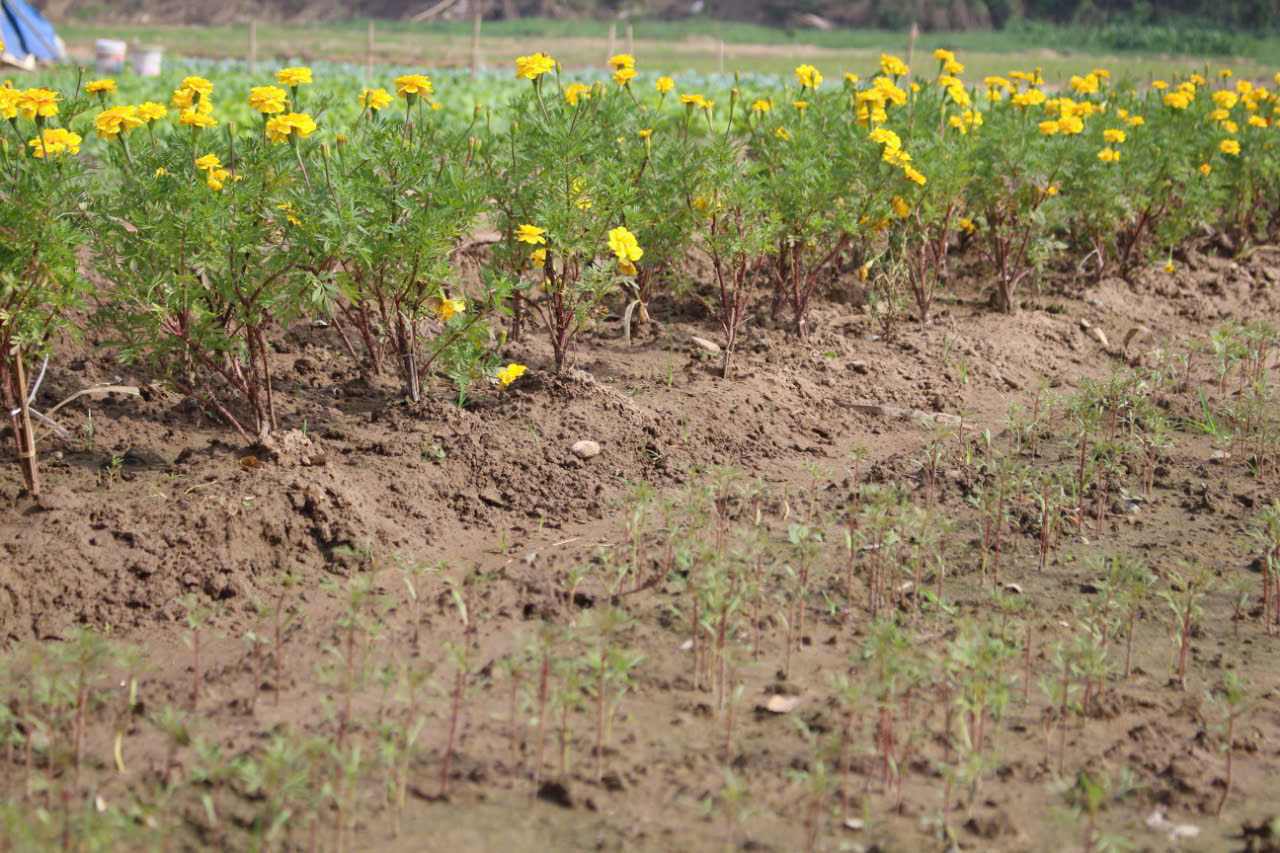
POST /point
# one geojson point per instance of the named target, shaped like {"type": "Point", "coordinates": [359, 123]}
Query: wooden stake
{"type": "Point", "coordinates": [476, 16]}
{"type": "Point", "coordinates": [253, 46]}
{"type": "Point", "coordinates": [613, 42]}
{"type": "Point", "coordinates": [911, 42]}
{"type": "Point", "coordinates": [23, 436]}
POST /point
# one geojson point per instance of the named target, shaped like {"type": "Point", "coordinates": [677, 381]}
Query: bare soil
{"type": "Point", "coordinates": [150, 500]}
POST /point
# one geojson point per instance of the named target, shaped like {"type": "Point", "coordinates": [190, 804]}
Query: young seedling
{"type": "Point", "coordinates": [197, 616]}
{"type": "Point", "coordinates": [1184, 597]}
{"type": "Point", "coordinates": [1234, 701]}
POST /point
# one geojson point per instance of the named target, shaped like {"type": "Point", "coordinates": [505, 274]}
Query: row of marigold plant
{"type": "Point", "coordinates": [211, 234]}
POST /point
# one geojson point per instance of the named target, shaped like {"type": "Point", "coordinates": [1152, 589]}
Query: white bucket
{"type": "Point", "coordinates": [110, 55]}
{"type": "Point", "coordinates": [148, 61]}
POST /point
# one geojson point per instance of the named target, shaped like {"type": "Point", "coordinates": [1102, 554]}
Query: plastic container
{"type": "Point", "coordinates": [110, 54]}
{"type": "Point", "coordinates": [148, 61]}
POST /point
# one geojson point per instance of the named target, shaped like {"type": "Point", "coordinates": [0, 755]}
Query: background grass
{"type": "Point", "coordinates": [695, 45]}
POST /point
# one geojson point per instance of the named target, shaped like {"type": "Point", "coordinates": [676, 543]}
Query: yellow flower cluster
{"type": "Point", "coordinates": [411, 86]}
{"type": "Point", "coordinates": [534, 66]}
{"type": "Point", "coordinates": [214, 175]}
{"type": "Point", "coordinates": [624, 68]}
{"type": "Point", "coordinates": [268, 100]}
{"type": "Point", "coordinates": [55, 142]}
{"type": "Point", "coordinates": [112, 122]}
{"type": "Point", "coordinates": [510, 373]}
{"type": "Point", "coordinates": [290, 127]}
{"type": "Point", "coordinates": [194, 98]}
{"type": "Point", "coordinates": [625, 248]}
{"type": "Point", "coordinates": [375, 99]}
{"type": "Point", "coordinates": [808, 77]}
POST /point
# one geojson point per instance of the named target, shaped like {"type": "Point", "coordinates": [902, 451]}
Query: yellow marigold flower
{"type": "Point", "coordinates": [207, 162]}
{"type": "Point", "coordinates": [199, 85]}
{"type": "Point", "coordinates": [664, 84]}
{"type": "Point", "coordinates": [511, 373]}
{"type": "Point", "coordinates": [1071, 125]}
{"type": "Point", "coordinates": [531, 234]}
{"type": "Point", "coordinates": [808, 77]}
{"type": "Point", "coordinates": [161, 171]}
{"type": "Point", "coordinates": [9, 99]}
{"type": "Point", "coordinates": [1114, 136]}
{"type": "Point", "coordinates": [694, 101]}
{"type": "Point", "coordinates": [449, 308]}
{"type": "Point", "coordinates": [408, 85]}
{"type": "Point", "coordinates": [1244, 87]}
{"type": "Point", "coordinates": [214, 179]}
{"type": "Point", "coordinates": [38, 103]}
{"type": "Point", "coordinates": [1179, 100]}
{"type": "Point", "coordinates": [995, 82]}
{"type": "Point", "coordinates": [1230, 127]}
{"type": "Point", "coordinates": [1135, 121]}
{"type": "Point", "coordinates": [783, 134]}
{"type": "Point", "coordinates": [958, 96]}
{"type": "Point", "coordinates": [914, 176]}
{"type": "Point", "coordinates": [290, 215]}
{"type": "Point", "coordinates": [1225, 73]}
{"type": "Point", "coordinates": [891, 92]}
{"type": "Point", "coordinates": [150, 111]}
{"type": "Point", "coordinates": [533, 66]}
{"type": "Point", "coordinates": [900, 207]}
{"type": "Point", "coordinates": [622, 60]}
{"type": "Point", "coordinates": [110, 123]}
{"type": "Point", "coordinates": [197, 119]}
{"type": "Point", "coordinates": [1218, 115]}
{"type": "Point", "coordinates": [893, 66]}
{"type": "Point", "coordinates": [55, 142]}
{"type": "Point", "coordinates": [953, 67]}
{"type": "Point", "coordinates": [1159, 85]}
{"type": "Point", "coordinates": [578, 188]}
{"type": "Point", "coordinates": [623, 245]}
{"type": "Point", "coordinates": [538, 256]}
{"type": "Point", "coordinates": [268, 99]}
{"type": "Point", "coordinates": [289, 126]}
{"type": "Point", "coordinates": [299, 75]}
{"type": "Point", "coordinates": [944, 55]}
{"type": "Point", "coordinates": [895, 157]}
{"type": "Point", "coordinates": [761, 105]}
{"type": "Point", "coordinates": [375, 99]}
{"type": "Point", "coordinates": [624, 75]}
{"type": "Point", "coordinates": [800, 105]}
{"type": "Point", "coordinates": [1109, 155]}
{"type": "Point", "coordinates": [575, 91]}
{"type": "Point", "coordinates": [966, 225]}
{"type": "Point", "coordinates": [1029, 98]}
{"type": "Point", "coordinates": [885, 137]}
{"type": "Point", "coordinates": [1051, 190]}
{"type": "Point", "coordinates": [1168, 266]}
{"type": "Point", "coordinates": [851, 78]}
{"type": "Point", "coordinates": [1258, 121]}
{"type": "Point", "coordinates": [104, 86]}
{"type": "Point", "coordinates": [1086, 85]}
{"type": "Point", "coordinates": [1101, 73]}
{"type": "Point", "coordinates": [1229, 147]}
{"type": "Point", "coordinates": [1225, 98]}
{"type": "Point", "coordinates": [1049, 127]}
{"type": "Point", "coordinates": [1197, 79]}
{"type": "Point", "coordinates": [1205, 169]}
{"type": "Point", "coordinates": [645, 132]}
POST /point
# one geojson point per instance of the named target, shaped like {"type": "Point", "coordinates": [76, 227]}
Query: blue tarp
{"type": "Point", "coordinates": [26, 32]}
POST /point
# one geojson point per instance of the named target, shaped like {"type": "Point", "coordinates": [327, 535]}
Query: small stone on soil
{"type": "Point", "coordinates": [702, 343]}
{"type": "Point", "coordinates": [585, 449]}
